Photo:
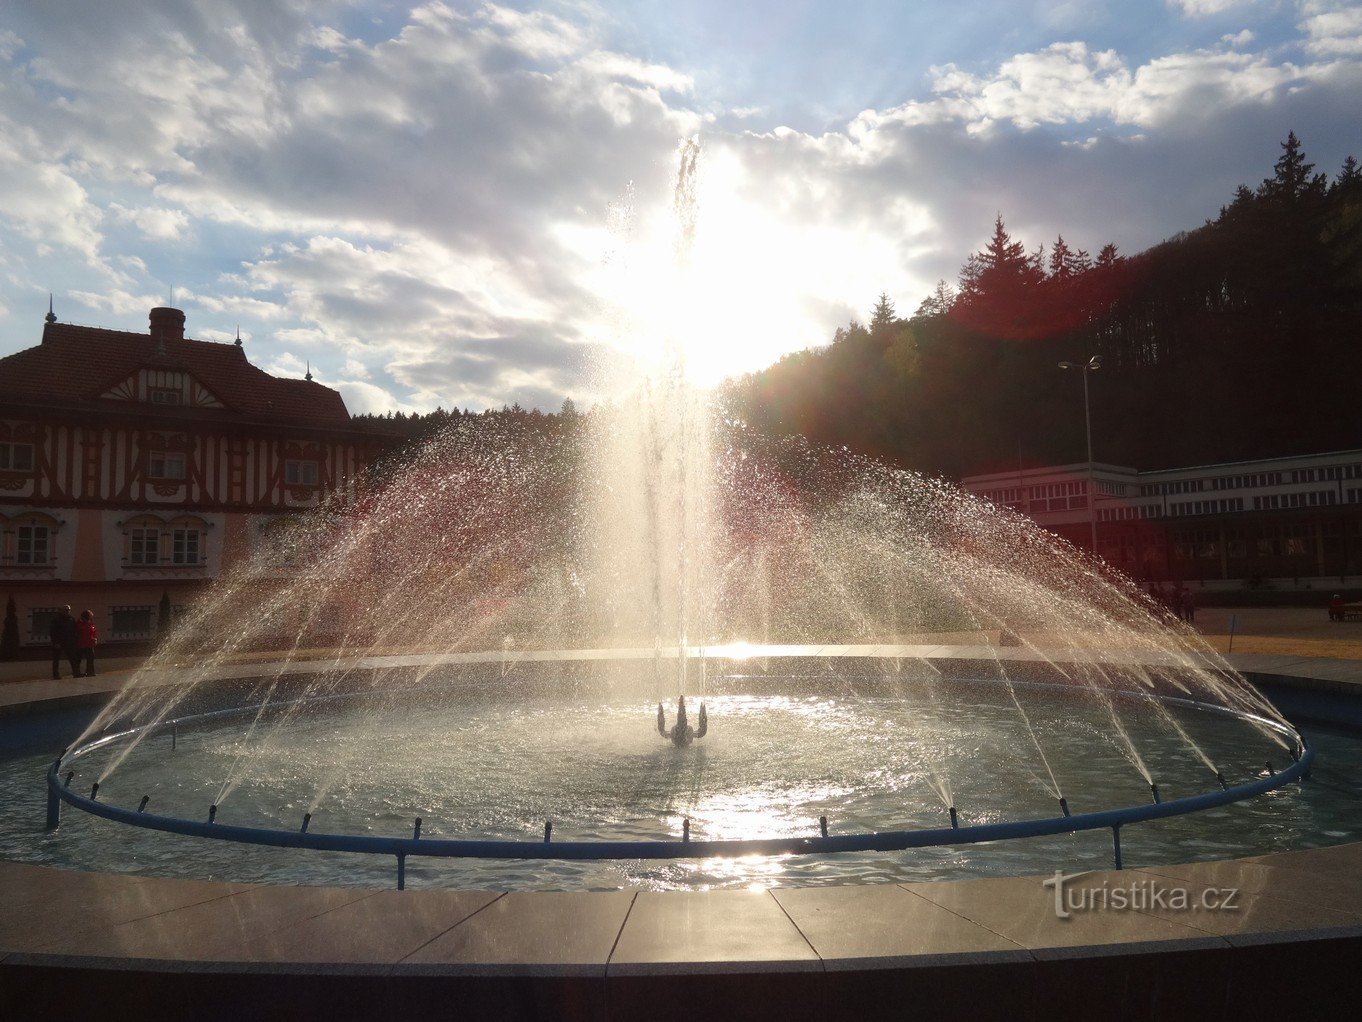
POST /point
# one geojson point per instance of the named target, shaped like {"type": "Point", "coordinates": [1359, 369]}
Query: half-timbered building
{"type": "Point", "coordinates": [136, 467]}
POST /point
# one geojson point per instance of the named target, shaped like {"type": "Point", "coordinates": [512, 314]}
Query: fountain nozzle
{"type": "Point", "coordinates": [1154, 790]}
{"type": "Point", "coordinates": [823, 825]}
{"type": "Point", "coordinates": [94, 791]}
{"type": "Point", "coordinates": [1224, 785]}
{"type": "Point", "coordinates": [1064, 805]}
{"type": "Point", "coordinates": [416, 830]}
{"type": "Point", "coordinates": [213, 813]}
{"type": "Point", "coordinates": [955, 819]}
{"type": "Point", "coordinates": [307, 819]}
{"type": "Point", "coordinates": [682, 733]}
{"type": "Point", "coordinates": [142, 806]}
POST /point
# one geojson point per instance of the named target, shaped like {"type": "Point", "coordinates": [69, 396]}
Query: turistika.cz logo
{"type": "Point", "coordinates": [1136, 895]}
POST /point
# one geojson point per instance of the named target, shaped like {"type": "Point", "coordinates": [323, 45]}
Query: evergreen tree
{"type": "Point", "coordinates": [997, 285]}
{"type": "Point", "coordinates": [164, 613]}
{"type": "Point", "coordinates": [1293, 179]}
{"type": "Point", "coordinates": [1348, 182]}
{"type": "Point", "coordinates": [9, 637]}
{"type": "Point", "coordinates": [938, 303]}
{"type": "Point", "coordinates": [883, 314]}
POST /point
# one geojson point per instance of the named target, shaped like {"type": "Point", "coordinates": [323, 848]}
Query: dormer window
{"type": "Point", "coordinates": [298, 472]}
{"type": "Point", "coordinates": [165, 465]}
{"type": "Point", "coordinates": [165, 396]}
{"type": "Point", "coordinates": [16, 457]}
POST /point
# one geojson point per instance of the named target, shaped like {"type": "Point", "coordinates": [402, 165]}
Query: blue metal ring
{"type": "Point", "coordinates": [884, 841]}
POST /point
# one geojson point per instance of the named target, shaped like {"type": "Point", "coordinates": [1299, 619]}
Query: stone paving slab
{"type": "Point", "coordinates": [368, 934]}
{"type": "Point", "coordinates": [562, 933]}
{"type": "Point", "coordinates": [709, 931]}
{"type": "Point", "coordinates": [879, 926]}
{"type": "Point", "coordinates": [1023, 911]}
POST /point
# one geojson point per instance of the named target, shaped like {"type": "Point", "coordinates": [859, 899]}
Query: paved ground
{"type": "Point", "coordinates": [1291, 631]}
{"type": "Point", "coordinates": [75, 945]}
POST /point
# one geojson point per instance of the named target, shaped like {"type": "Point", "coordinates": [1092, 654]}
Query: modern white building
{"type": "Point", "coordinates": [1293, 519]}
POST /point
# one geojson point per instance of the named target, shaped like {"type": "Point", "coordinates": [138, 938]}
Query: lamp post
{"type": "Point", "coordinates": [1092, 365]}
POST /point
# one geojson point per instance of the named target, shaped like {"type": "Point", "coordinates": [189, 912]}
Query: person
{"type": "Point", "coordinates": [1188, 605]}
{"type": "Point", "coordinates": [87, 637]}
{"type": "Point", "coordinates": [64, 638]}
{"type": "Point", "coordinates": [1336, 607]}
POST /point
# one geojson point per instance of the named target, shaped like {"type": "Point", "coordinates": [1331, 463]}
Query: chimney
{"type": "Point", "coordinates": [167, 324]}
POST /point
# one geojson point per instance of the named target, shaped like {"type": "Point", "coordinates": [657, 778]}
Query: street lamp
{"type": "Point", "coordinates": [1092, 365]}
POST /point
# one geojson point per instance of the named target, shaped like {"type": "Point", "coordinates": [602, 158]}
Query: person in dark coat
{"type": "Point", "coordinates": [65, 641]}
{"type": "Point", "coordinates": [87, 637]}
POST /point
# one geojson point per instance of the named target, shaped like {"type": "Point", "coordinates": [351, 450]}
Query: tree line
{"type": "Point", "coordinates": [1240, 339]}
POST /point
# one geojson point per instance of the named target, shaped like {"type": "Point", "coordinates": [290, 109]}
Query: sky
{"type": "Point", "coordinates": [472, 204]}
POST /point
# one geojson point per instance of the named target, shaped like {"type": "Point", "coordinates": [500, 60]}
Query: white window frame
{"type": "Point", "coordinates": [139, 555]}
{"type": "Point", "coordinates": [39, 538]}
{"type": "Point", "coordinates": [186, 546]}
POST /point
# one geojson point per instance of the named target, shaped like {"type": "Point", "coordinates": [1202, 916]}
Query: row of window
{"type": "Point", "coordinates": [127, 622]}
{"type": "Point", "coordinates": [1207, 507]}
{"type": "Point", "coordinates": [141, 622]}
{"type": "Point", "coordinates": [1253, 480]}
{"type": "Point", "coordinates": [150, 547]}
{"type": "Point", "coordinates": [170, 465]}
{"type": "Point", "coordinates": [1331, 473]}
{"type": "Point", "coordinates": [35, 547]}
{"type": "Point", "coordinates": [1072, 488]}
{"type": "Point", "coordinates": [1276, 501]}
{"type": "Point", "coordinates": [1128, 513]}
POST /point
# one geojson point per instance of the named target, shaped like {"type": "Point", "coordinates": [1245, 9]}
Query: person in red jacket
{"type": "Point", "coordinates": [87, 637]}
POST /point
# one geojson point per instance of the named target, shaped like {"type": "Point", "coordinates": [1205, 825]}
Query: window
{"type": "Point", "coordinates": [164, 396]}
{"type": "Point", "coordinates": [185, 546]}
{"type": "Point", "coordinates": [40, 623]}
{"type": "Point", "coordinates": [144, 546]}
{"type": "Point", "coordinates": [163, 465]}
{"type": "Point", "coordinates": [15, 457]}
{"type": "Point", "coordinates": [32, 544]}
{"type": "Point", "coordinates": [130, 622]}
{"type": "Point", "coordinates": [300, 473]}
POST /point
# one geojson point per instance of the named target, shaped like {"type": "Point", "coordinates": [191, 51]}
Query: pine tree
{"type": "Point", "coordinates": [9, 637]}
{"type": "Point", "coordinates": [1349, 180]}
{"type": "Point", "coordinates": [1293, 179]}
{"type": "Point", "coordinates": [883, 314]}
{"type": "Point", "coordinates": [938, 303]}
{"type": "Point", "coordinates": [997, 285]}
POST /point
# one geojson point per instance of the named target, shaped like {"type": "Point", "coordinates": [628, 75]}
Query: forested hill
{"type": "Point", "coordinates": [1240, 339]}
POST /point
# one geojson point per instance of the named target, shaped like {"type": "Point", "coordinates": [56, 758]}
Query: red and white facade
{"type": "Point", "coordinates": [135, 467]}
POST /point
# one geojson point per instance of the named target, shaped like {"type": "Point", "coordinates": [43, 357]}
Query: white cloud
{"type": "Point", "coordinates": [425, 210]}
{"type": "Point", "coordinates": [1206, 8]}
{"type": "Point", "coordinates": [1332, 29]}
{"type": "Point", "coordinates": [155, 223]}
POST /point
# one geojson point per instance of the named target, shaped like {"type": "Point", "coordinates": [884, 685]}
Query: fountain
{"type": "Point", "coordinates": [470, 649]}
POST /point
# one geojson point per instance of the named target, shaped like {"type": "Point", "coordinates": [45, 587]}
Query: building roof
{"type": "Point", "coordinates": [75, 366]}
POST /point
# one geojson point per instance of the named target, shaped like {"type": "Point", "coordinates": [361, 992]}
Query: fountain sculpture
{"type": "Point", "coordinates": [477, 634]}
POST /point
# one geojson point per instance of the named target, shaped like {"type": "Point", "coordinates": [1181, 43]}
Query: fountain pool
{"type": "Point", "coordinates": [481, 753]}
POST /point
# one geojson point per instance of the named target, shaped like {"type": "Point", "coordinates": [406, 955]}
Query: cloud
{"type": "Point", "coordinates": [469, 205]}
{"type": "Point", "coordinates": [157, 224]}
{"type": "Point", "coordinates": [1206, 8]}
{"type": "Point", "coordinates": [1332, 29]}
